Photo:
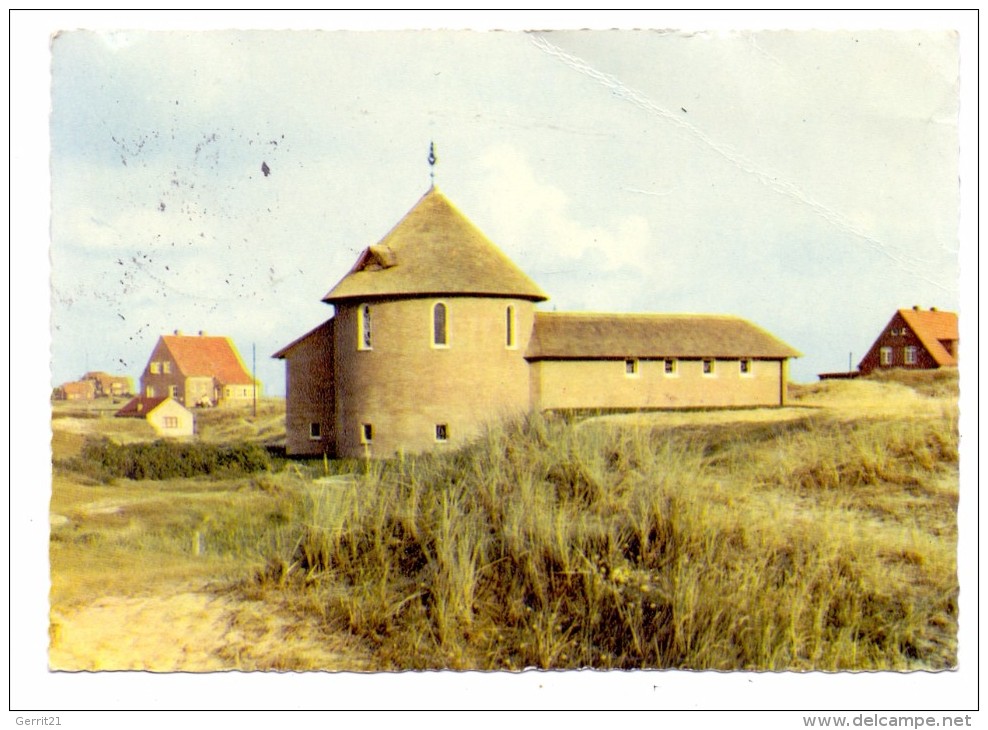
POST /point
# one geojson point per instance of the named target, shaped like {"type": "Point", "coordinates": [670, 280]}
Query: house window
{"type": "Point", "coordinates": [885, 356]}
{"type": "Point", "coordinates": [171, 421]}
{"type": "Point", "coordinates": [509, 327]}
{"type": "Point", "coordinates": [149, 391]}
{"type": "Point", "coordinates": [909, 354]}
{"type": "Point", "coordinates": [442, 432]}
{"type": "Point", "coordinates": [745, 367]}
{"type": "Point", "coordinates": [155, 368]}
{"type": "Point", "coordinates": [366, 433]}
{"type": "Point", "coordinates": [631, 368]}
{"type": "Point", "coordinates": [315, 431]}
{"type": "Point", "coordinates": [166, 367]}
{"type": "Point", "coordinates": [172, 391]}
{"type": "Point", "coordinates": [440, 325]}
{"type": "Point", "coordinates": [364, 327]}
{"type": "Point", "coordinates": [669, 366]}
{"type": "Point", "coordinates": [708, 366]}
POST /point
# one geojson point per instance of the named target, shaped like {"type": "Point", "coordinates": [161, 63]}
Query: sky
{"type": "Point", "coordinates": [806, 181]}
{"type": "Point", "coordinates": [775, 166]}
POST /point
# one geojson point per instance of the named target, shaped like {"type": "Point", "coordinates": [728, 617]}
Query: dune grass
{"type": "Point", "coordinates": [823, 541]}
{"type": "Point", "coordinates": [808, 544]}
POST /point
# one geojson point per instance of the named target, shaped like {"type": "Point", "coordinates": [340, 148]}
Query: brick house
{"type": "Point", "coordinates": [76, 390]}
{"type": "Point", "coordinates": [109, 385]}
{"type": "Point", "coordinates": [198, 370]}
{"type": "Point", "coordinates": [914, 339]}
{"type": "Point", "coordinates": [435, 334]}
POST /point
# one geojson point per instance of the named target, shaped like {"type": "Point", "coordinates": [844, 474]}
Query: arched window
{"type": "Point", "coordinates": [509, 327]}
{"type": "Point", "coordinates": [440, 325]}
{"type": "Point", "coordinates": [364, 327]}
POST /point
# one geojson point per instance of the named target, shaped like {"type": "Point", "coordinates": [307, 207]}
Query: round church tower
{"type": "Point", "coordinates": [431, 328]}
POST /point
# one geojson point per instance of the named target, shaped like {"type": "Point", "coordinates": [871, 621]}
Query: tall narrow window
{"type": "Point", "coordinates": [910, 355]}
{"type": "Point", "coordinates": [745, 367]}
{"type": "Point", "coordinates": [315, 431]}
{"type": "Point", "coordinates": [440, 325]}
{"type": "Point", "coordinates": [366, 433]}
{"type": "Point", "coordinates": [670, 366]}
{"type": "Point", "coordinates": [364, 327]}
{"type": "Point", "coordinates": [631, 368]}
{"type": "Point", "coordinates": [442, 432]}
{"type": "Point", "coordinates": [708, 366]}
{"type": "Point", "coordinates": [885, 356]}
{"type": "Point", "coordinates": [509, 327]}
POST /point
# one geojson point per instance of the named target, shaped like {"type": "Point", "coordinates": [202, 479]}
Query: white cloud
{"type": "Point", "coordinates": [541, 214]}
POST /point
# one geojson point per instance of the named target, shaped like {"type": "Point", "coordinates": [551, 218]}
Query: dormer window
{"type": "Point", "coordinates": [364, 327]}
{"type": "Point", "coordinates": [440, 325]}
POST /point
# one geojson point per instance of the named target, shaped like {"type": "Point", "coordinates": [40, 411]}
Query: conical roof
{"type": "Point", "coordinates": [434, 250]}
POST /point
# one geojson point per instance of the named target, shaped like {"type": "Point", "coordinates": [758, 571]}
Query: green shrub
{"type": "Point", "coordinates": [107, 460]}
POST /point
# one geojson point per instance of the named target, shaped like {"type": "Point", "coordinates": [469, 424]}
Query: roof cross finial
{"type": "Point", "coordinates": [432, 164]}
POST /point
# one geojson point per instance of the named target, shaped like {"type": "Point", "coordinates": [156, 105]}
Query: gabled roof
{"type": "Point", "coordinates": [577, 336]}
{"type": "Point", "coordinates": [205, 356]}
{"type": "Point", "coordinates": [140, 406]}
{"type": "Point", "coordinates": [434, 250]}
{"type": "Point", "coordinates": [932, 328]}
{"type": "Point", "coordinates": [323, 330]}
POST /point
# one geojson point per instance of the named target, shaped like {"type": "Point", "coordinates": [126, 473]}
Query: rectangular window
{"type": "Point", "coordinates": [631, 367]}
{"type": "Point", "coordinates": [149, 391]}
{"type": "Point", "coordinates": [166, 367]}
{"type": "Point", "coordinates": [171, 422]}
{"type": "Point", "coordinates": [509, 327]}
{"type": "Point", "coordinates": [909, 354]}
{"type": "Point", "coordinates": [366, 433]}
{"type": "Point", "coordinates": [885, 356]}
{"type": "Point", "coordinates": [155, 368]}
{"type": "Point", "coordinates": [746, 367]}
{"type": "Point", "coordinates": [315, 431]}
{"type": "Point", "coordinates": [364, 327]}
{"type": "Point", "coordinates": [442, 432]}
{"type": "Point", "coordinates": [172, 391]}
{"type": "Point", "coordinates": [708, 366]}
{"type": "Point", "coordinates": [669, 366]}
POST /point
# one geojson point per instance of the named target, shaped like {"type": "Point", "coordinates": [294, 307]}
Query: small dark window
{"type": "Point", "coordinates": [708, 367]}
{"type": "Point", "coordinates": [670, 366]}
{"type": "Point", "coordinates": [442, 432]}
{"type": "Point", "coordinates": [367, 433]}
{"type": "Point", "coordinates": [631, 367]}
{"type": "Point", "coordinates": [439, 326]}
{"type": "Point", "coordinates": [364, 325]}
{"type": "Point", "coordinates": [745, 367]}
{"type": "Point", "coordinates": [315, 431]}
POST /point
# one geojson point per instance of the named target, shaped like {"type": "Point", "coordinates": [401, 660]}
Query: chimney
{"type": "Point", "coordinates": [933, 309]}
{"type": "Point", "coordinates": [202, 333]}
{"type": "Point", "coordinates": [915, 307]}
{"type": "Point", "coordinates": [178, 333]}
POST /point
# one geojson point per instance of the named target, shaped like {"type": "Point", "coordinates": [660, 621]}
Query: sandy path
{"type": "Point", "coordinates": [190, 631]}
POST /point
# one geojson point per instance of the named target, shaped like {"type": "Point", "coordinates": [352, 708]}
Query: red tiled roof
{"type": "Point", "coordinates": [139, 407]}
{"type": "Point", "coordinates": [933, 328]}
{"type": "Point", "coordinates": [203, 356]}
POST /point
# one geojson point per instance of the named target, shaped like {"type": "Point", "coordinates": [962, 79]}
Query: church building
{"type": "Point", "coordinates": [435, 335]}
